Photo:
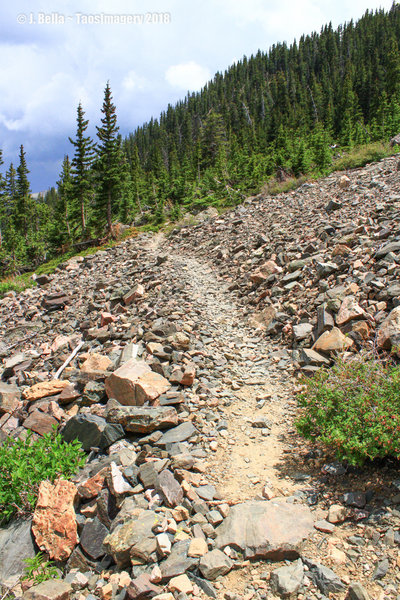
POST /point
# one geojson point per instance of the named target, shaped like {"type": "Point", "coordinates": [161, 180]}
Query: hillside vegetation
{"type": "Point", "coordinates": [326, 101]}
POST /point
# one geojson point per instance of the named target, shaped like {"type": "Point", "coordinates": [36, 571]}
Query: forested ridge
{"type": "Point", "coordinates": [286, 112]}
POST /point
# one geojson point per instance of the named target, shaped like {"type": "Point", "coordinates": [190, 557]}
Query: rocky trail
{"type": "Point", "coordinates": [182, 391]}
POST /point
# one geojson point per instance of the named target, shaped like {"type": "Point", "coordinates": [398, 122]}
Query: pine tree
{"type": "Point", "coordinates": [21, 213]}
{"type": "Point", "coordinates": [80, 171]}
{"type": "Point", "coordinates": [109, 164]}
{"type": "Point", "coordinates": [65, 190]}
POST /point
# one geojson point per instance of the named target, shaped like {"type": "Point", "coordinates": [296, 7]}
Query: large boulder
{"type": "Point", "coordinates": [271, 530]}
{"type": "Point", "coordinates": [134, 383]}
{"type": "Point", "coordinates": [332, 341]}
{"type": "Point", "coordinates": [92, 431]}
{"type": "Point", "coordinates": [16, 545]}
{"type": "Point", "coordinates": [54, 523]}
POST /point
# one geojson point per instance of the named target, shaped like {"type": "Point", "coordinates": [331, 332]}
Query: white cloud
{"type": "Point", "coordinates": [133, 81]}
{"type": "Point", "coordinates": [188, 76]}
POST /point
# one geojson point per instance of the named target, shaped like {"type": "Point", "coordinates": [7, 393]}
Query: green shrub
{"type": "Point", "coordinates": [25, 463]}
{"type": "Point", "coordinates": [38, 569]}
{"type": "Point", "coordinates": [353, 409]}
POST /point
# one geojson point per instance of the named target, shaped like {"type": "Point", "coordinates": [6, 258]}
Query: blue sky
{"type": "Point", "coordinates": [48, 67]}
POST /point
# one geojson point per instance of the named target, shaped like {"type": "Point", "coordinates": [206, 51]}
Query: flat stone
{"type": "Point", "coordinates": [96, 362]}
{"type": "Point", "coordinates": [10, 397]}
{"type": "Point", "coordinates": [325, 526]}
{"type": "Point", "coordinates": [44, 389]}
{"type": "Point", "coordinates": [311, 357]}
{"type": "Point", "coordinates": [134, 383]}
{"type": "Point", "coordinates": [54, 521]}
{"type": "Point", "coordinates": [40, 422]}
{"type": "Point", "coordinates": [215, 563]}
{"type": "Point", "coordinates": [302, 331]}
{"type": "Point", "coordinates": [178, 561]}
{"type": "Point", "coordinates": [92, 431]}
{"type": "Point", "coordinates": [170, 489]}
{"type": "Point", "coordinates": [286, 581]}
{"type": "Point", "coordinates": [92, 537]}
{"type": "Point", "coordinates": [324, 578]}
{"type": "Point", "coordinates": [357, 592]}
{"type": "Point", "coordinates": [271, 530]}
{"type": "Point", "coordinates": [141, 419]}
{"type": "Point", "coordinates": [52, 589]}
{"type": "Point", "coordinates": [181, 584]}
{"type": "Point", "coordinates": [198, 547]}
{"type": "Point", "coordinates": [387, 248]}
{"type": "Point", "coordinates": [181, 433]}
{"type": "Point", "coordinates": [142, 588]}
{"type": "Point", "coordinates": [16, 545]}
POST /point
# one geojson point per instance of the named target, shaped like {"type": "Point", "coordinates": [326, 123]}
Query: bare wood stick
{"type": "Point", "coordinates": [70, 357]}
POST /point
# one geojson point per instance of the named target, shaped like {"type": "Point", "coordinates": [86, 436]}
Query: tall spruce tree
{"type": "Point", "coordinates": [65, 190]}
{"type": "Point", "coordinates": [81, 175]}
{"type": "Point", "coordinates": [109, 163]}
{"type": "Point", "coordinates": [21, 209]}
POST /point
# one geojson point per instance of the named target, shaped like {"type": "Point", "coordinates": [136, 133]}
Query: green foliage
{"type": "Point", "coordinates": [353, 409]}
{"type": "Point", "coordinates": [361, 155]}
{"type": "Point", "coordinates": [38, 569]}
{"type": "Point", "coordinates": [25, 463]}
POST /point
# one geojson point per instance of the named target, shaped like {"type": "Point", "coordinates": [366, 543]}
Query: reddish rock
{"type": "Point", "coordinates": [134, 383]}
{"type": "Point", "coordinates": [45, 389]}
{"type": "Point", "coordinates": [106, 318]}
{"type": "Point", "coordinates": [52, 589]}
{"type": "Point", "coordinates": [267, 269]}
{"type": "Point", "coordinates": [91, 487]}
{"type": "Point", "coordinates": [134, 294]}
{"type": "Point", "coordinates": [96, 362]}
{"type": "Point", "coordinates": [349, 310]}
{"type": "Point", "coordinates": [9, 398]}
{"type": "Point", "coordinates": [389, 331]}
{"type": "Point", "coordinates": [69, 394]}
{"type": "Point", "coordinates": [40, 422]}
{"type": "Point", "coordinates": [141, 588]}
{"type": "Point", "coordinates": [332, 341]}
{"type": "Point", "coordinates": [54, 521]}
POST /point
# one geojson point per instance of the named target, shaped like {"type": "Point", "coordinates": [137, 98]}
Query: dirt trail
{"type": "Point", "coordinates": [242, 370]}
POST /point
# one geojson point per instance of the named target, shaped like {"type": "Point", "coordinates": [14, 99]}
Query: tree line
{"type": "Point", "coordinates": [278, 113]}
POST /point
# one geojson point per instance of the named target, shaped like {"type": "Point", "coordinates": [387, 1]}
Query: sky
{"type": "Point", "coordinates": [151, 51]}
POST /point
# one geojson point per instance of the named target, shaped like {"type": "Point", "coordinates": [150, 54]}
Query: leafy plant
{"type": "Point", "coordinates": [38, 569]}
{"type": "Point", "coordinates": [353, 409]}
{"type": "Point", "coordinates": [25, 463]}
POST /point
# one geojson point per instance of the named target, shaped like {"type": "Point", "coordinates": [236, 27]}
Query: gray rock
{"type": "Point", "coordinates": [9, 397]}
{"type": "Point", "coordinates": [302, 331]}
{"type": "Point", "coordinates": [16, 544]}
{"type": "Point", "coordinates": [357, 499]}
{"type": "Point", "coordinates": [169, 488]}
{"type": "Point", "coordinates": [287, 580]}
{"type": "Point", "coordinates": [141, 419]}
{"type": "Point", "coordinates": [215, 563]}
{"type": "Point", "coordinates": [381, 569]}
{"type": "Point", "coordinates": [357, 592]}
{"type": "Point", "coordinates": [92, 538]}
{"type": "Point", "coordinates": [272, 530]}
{"type": "Point", "coordinates": [203, 585]}
{"type": "Point", "coordinates": [324, 578]}
{"type": "Point", "coordinates": [391, 247]}
{"type": "Point", "coordinates": [133, 538]}
{"type": "Point", "coordinates": [178, 561]}
{"type": "Point", "coordinates": [92, 431]}
{"type": "Point", "coordinates": [177, 434]}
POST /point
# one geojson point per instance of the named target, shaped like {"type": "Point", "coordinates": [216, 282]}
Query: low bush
{"type": "Point", "coordinates": [25, 463]}
{"type": "Point", "coordinates": [353, 409]}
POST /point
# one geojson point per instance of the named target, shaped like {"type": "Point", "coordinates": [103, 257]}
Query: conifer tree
{"type": "Point", "coordinates": [21, 210]}
{"type": "Point", "coordinates": [3, 203]}
{"type": "Point", "coordinates": [65, 189]}
{"type": "Point", "coordinates": [109, 164]}
{"type": "Point", "coordinates": [82, 184]}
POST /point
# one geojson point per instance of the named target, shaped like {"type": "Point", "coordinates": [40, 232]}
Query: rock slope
{"type": "Point", "coordinates": [172, 360]}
